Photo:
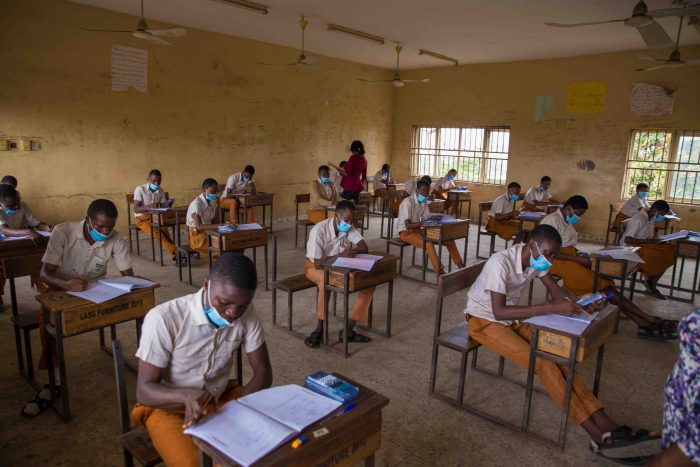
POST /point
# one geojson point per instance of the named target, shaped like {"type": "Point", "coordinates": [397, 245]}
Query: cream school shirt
{"type": "Point", "coordinates": [323, 242]}
{"type": "Point", "coordinates": [410, 209]}
{"type": "Point", "coordinates": [235, 182]}
{"type": "Point", "coordinates": [633, 205]}
{"type": "Point", "coordinates": [444, 183]}
{"type": "Point", "coordinates": [336, 178]}
{"type": "Point", "coordinates": [377, 181]}
{"type": "Point", "coordinates": [147, 197]}
{"type": "Point", "coordinates": [21, 219]}
{"type": "Point", "coordinates": [638, 226]}
{"type": "Point", "coordinates": [569, 236]}
{"type": "Point", "coordinates": [178, 337]}
{"type": "Point", "coordinates": [503, 273]}
{"type": "Point", "coordinates": [201, 206]}
{"type": "Point", "coordinates": [501, 205]}
{"type": "Point", "coordinates": [75, 257]}
{"type": "Point", "coordinates": [535, 194]}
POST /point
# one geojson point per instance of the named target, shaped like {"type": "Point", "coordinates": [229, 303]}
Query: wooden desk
{"type": "Point", "coordinates": [239, 241]}
{"type": "Point", "coordinates": [24, 247]}
{"type": "Point", "coordinates": [528, 223]}
{"type": "Point", "coordinates": [611, 268]}
{"type": "Point", "coordinates": [568, 349]}
{"type": "Point", "coordinates": [345, 281]}
{"type": "Point", "coordinates": [688, 247]}
{"type": "Point", "coordinates": [388, 200]}
{"type": "Point", "coordinates": [166, 217]}
{"type": "Point", "coordinates": [250, 201]}
{"type": "Point", "coordinates": [441, 233]}
{"type": "Point", "coordinates": [436, 206]}
{"type": "Point", "coordinates": [458, 197]}
{"type": "Point", "coordinates": [353, 437]}
{"type": "Point", "coordinates": [65, 316]}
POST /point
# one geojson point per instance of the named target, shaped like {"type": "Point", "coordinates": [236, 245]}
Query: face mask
{"type": "Point", "coordinates": [153, 187]}
{"type": "Point", "coordinates": [659, 218]}
{"type": "Point", "coordinates": [643, 194]}
{"type": "Point", "coordinates": [385, 175]}
{"type": "Point", "coordinates": [213, 315]}
{"type": "Point", "coordinates": [9, 211]}
{"type": "Point", "coordinates": [573, 218]}
{"type": "Point", "coordinates": [513, 197]}
{"type": "Point", "coordinates": [541, 263]}
{"type": "Point", "coordinates": [324, 179]}
{"type": "Point", "coordinates": [245, 180]}
{"type": "Point", "coordinates": [97, 236]}
{"type": "Point", "coordinates": [451, 178]}
{"type": "Point", "coordinates": [421, 199]}
{"type": "Point", "coordinates": [344, 226]}
{"type": "Point", "coordinates": [542, 189]}
{"type": "Point", "coordinates": [211, 196]}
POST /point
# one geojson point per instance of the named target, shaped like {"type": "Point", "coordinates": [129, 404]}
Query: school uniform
{"type": "Point", "coordinates": [378, 185]}
{"type": "Point", "coordinates": [577, 278]}
{"type": "Point", "coordinates": [658, 257]}
{"type": "Point", "coordinates": [503, 273]}
{"type": "Point", "coordinates": [22, 219]}
{"type": "Point", "coordinates": [533, 196]}
{"type": "Point", "coordinates": [440, 189]}
{"type": "Point", "coordinates": [632, 206]}
{"type": "Point", "coordinates": [324, 242]}
{"type": "Point", "coordinates": [322, 195]}
{"type": "Point", "coordinates": [413, 211]}
{"type": "Point", "coordinates": [179, 338]}
{"type": "Point", "coordinates": [235, 183]}
{"type": "Point", "coordinates": [336, 178]}
{"type": "Point", "coordinates": [147, 197]}
{"type": "Point", "coordinates": [506, 229]}
{"type": "Point", "coordinates": [207, 211]}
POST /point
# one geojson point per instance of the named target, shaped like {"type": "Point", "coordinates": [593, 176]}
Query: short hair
{"type": "Point", "coordinates": [426, 178]}
{"type": "Point", "coordinates": [344, 205]}
{"type": "Point", "coordinates": [661, 205]}
{"type": "Point", "coordinates": [342, 164]}
{"type": "Point", "coordinates": [155, 172]}
{"type": "Point", "coordinates": [250, 169]}
{"type": "Point", "coordinates": [236, 269]}
{"type": "Point", "coordinates": [421, 183]}
{"type": "Point", "coordinates": [104, 207]}
{"type": "Point", "coordinates": [545, 233]}
{"type": "Point", "coordinates": [7, 191]}
{"type": "Point", "coordinates": [577, 202]}
{"type": "Point", "coordinates": [386, 166]}
{"type": "Point", "coordinates": [208, 182]}
{"type": "Point", "coordinates": [642, 185]}
{"type": "Point", "coordinates": [324, 167]}
{"type": "Point", "coordinates": [514, 185]}
{"type": "Point", "coordinates": [9, 180]}
{"type": "Point", "coordinates": [452, 170]}
{"type": "Point", "coordinates": [357, 146]}
{"type": "Point", "coordinates": [546, 178]}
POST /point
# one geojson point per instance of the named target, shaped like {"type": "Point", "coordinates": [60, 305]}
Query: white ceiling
{"type": "Point", "coordinates": [473, 31]}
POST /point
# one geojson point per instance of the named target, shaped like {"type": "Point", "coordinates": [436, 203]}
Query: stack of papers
{"type": "Point", "coordinates": [107, 289]}
{"type": "Point", "coordinates": [249, 227]}
{"type": "Point", "coordinates": [363, 262]}
{"type": "Point", "coordinates": [621, 252]}
{"type": "Point", "coordinates": [569, 324]}
{"type": "Point", "coordinates": [674, 236]}
{"type": "Point", "coordinates": [249, 428]}
{"type": "Point", "coordinates": [531, 214]}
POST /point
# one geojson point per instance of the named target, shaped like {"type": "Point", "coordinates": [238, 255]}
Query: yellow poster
{"type": "Point", "coordinates": [586, 97]}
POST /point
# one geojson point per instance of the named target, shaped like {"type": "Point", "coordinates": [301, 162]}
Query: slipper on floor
{"type": "Point", "coordinates": [41, 402]}
{"type": "Point", "coordinates": [355, 337]}
{"type": "Point", "coordinates": [622, 443]}
{"type": "Point", "coordinates": [314, 339]}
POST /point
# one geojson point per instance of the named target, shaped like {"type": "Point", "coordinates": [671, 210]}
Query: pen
{"type": "Point", "coordinates": [300, 441]}
{"type": "Point", "coordinates": [346, 409]}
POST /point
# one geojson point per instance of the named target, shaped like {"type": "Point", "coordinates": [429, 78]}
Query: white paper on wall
{"type": "Point", "coordinates": [651, 100]}
{"type": "Point", "coordinates": [129, 68]}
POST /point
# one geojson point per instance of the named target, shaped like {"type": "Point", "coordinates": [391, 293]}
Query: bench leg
{"type": "Point", "coordinates": [290, 304]}
{"type": "Point", "coordinates": [462, 378]}
{"type": "Point", "coordinates": [274, 306]}
{"type": "Point", "coordinates": [28, 352]}
{"type": "Point", "coordinates": [433, 368]}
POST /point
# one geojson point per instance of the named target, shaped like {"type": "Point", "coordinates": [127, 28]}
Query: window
{"type": "Point", "coordinates": [479, 154]}
{"type": "Point", "coordinates": [668, 161]}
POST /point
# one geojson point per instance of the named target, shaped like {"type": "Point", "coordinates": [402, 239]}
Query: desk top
{"type": "Point", "coordinates": [165, 210]}
{"type": "Point", "coordinates": [59, 300]}
{"type": "Point", "coordinates": [386, 258]}
{"type": "Point", "coordinates": [14, 247]}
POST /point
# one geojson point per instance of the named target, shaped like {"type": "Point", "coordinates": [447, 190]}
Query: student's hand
{"type": "Point", "coordinates": [567, 307]}
{"type": "Point", "coordinates": [348, 254]}
{"type": "Point", "coordinates": [653, 241]}
{"type": "Point", "coordinates": [596, 306]}
{"type": "Point", "coordinates": [195, 406]}
{"type": "Point", "coordinates": [33, 235]}
{"type": "Point", "coordinates": [436, 217]}
{"type": "Point", "coordinates": [77, 284]}
{"type": "Point", "coordinates": [585, 261]}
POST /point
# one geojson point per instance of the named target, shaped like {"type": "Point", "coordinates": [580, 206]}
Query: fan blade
{"type": "Point", "coordinates": [654, 36]}
{"type": "Point", "coordinates": [573, 25]}
{"type": "Point", "coordinates": [398, 83]}
{"type": "Point", "coordinates": [103, 30]}
{"type": "Point", "coordinates": [376, 80]}
{"type": "Point", "coordinates": [277, 64]}
{"type": "Point", "coordinates": [425, 80]}
{"type": "Point", "coordinates": [172, 32]}
{"type": "Point", "coordinates": [649, 58]}
{"type": "Point", "coordinates": [652, 68]}
{"type": "Point", "coordinates": [150, 38]}
{"type": "Point", "coordinates": [664, 12]}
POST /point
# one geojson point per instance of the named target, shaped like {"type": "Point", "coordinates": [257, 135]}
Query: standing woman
{"type": "Point", "coordinates": [354, 173]}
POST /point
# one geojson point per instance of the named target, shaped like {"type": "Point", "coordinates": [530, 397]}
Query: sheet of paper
{"type": "Point", "coordinates": [362, 264]}
{"type": "Point", "coordinates": [292, 405]}
{"type": "Point", "coordinates": [159, 209]}
{"type": "Point", "coordinates": [129, 68]}
{"type": "Point", "coordinates": [531, 214]}
{"type": "Point", "coordinates": [570, 324]}
{"type": "Point", "coordinates": [249, 227]}
{"type": "Point", "coordinates": [368, 256]}
{"type": "Point", "coordinates": [44, 233]}
{"type": "Point", "coordinates": [621, 253]}
{"type": "Point", "coordinates": [586, 97]}
{"type": "Point", "coordinates": [127, 283]}
{"type": "Point", "coordinates": [226, 229]}
{"type": "Point", "coordinates": [8, 239]}
{"type": "Point", "coordinates": [99, 293]}
{"type": "Point", "coordinates": [447, 219]}
{"type": "Point", "coordinates": [674, 236]}
{"type": "Point", "coordinates": [651, 100]}
{"type": "Point", "coordinates": [243, 434]}
{"type": "Point", "coordinates": [542, 105]}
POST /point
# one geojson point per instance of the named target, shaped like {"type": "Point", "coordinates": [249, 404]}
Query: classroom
{"type": "Point", "coordinates": [308, 232]}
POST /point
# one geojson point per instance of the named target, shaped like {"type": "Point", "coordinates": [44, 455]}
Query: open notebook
{"type": "Point", "coordinates": [107, 289]}
{"type": "Point", "coordinates": [363, 262]}
{"type": "Point", "coordinates": [569, 324]}
{"type": "Point", "coordinates": [249, 428]}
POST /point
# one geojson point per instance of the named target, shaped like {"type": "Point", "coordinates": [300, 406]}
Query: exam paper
{"type": "Point", "coordinates": [108, 289]}
{"type": "Point", "coordinates": [570, 324]}
{"type": "Point", "coordinates": [363, 264]}
{"type": "Point", "coordinates": [674, 236]}
{"type": "Point", "coordinates": [249, 227]}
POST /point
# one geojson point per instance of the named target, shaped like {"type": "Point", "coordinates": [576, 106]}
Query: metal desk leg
{"type": "Point", "coordinates": [209, 249]}
{"type": "Point", "coordinates": [425, 259]}
{"type": "Point", "coordinates": [326, 296]}
{"type": "Point", "coordinates": [160, 238]}
{"type": "Point", "coordinates": [673, 273]}
{"type": "Point", "coordinates": [346, 317]}
{"type": "Point", "coordinates": [567, 394]}
{"type": "Point", "coordinates": [267, 278]}
{"type": "Point", "coordinates": [530, 379]}
{"type": "Point", "coordinates": [598, 370]}
{"type": "Point", "coordinates": [390, 304]}
{"type": "Point", "coordinates": [204, 459]}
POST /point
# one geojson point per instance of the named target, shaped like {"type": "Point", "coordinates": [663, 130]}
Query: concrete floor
{"type": "Point", "coordinates": [418, 429]}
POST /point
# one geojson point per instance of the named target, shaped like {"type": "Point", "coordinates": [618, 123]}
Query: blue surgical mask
{"type": "Point", "coordinates": [344, 226]}
{"type": "Point", "coordinates": [421, 199]}
{"type": "Point", "coordinates": [153, 187]}
{"type": "Point", "coordinates": [97, 236]}
{"type": "Point", "coordinates": [513, 197]}
{"type": "Point", "coordinates": [572, 218]}
{"type": "Point", "coordinates": [245, 180]}
{"type": "Point", "coordinates": [213, 315]}
{"type": "Point", "coordinates": [9, 211]}
{"type": "Point", "coordinates": [324, 179]}
{"type": "Point", "coordinates": [542, 189]}
{"type": "Point", "coordinates": [385, 175]}
{"type": "Point", "coordinates": [659, 218]}
{"type": "Point", "coordinates": [540, 263]}
{"type": "Point", "coordinates": [643, 194]}
{"type": "Point", "coordinates": [451, 178]}
{"type": "Point", "coordinates": [211, 196]}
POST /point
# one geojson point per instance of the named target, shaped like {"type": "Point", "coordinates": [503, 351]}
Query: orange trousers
{"type": "Point", "coordinates": [198, 241]}
{"type": "Point", "coordinates": [658, 257]}
{"type": "Point", "coordinates": [360, 308]}
{"type": "Point", "coordinates": [504, 229]}
{"type": "Point", "coordinates": [233, 205]}
{"type": "Point", "coordinates": [165, 429]}
{"type": "Point", "coordinates": [416, 239]}
{"type": "Point", "coordinates": [578, 279]}
{"type": "Point", "coordinates": [513, 343]}
{"type": "Point", "coordinates": [165, 241]}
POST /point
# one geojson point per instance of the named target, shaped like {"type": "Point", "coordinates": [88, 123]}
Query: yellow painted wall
{"type": "Point", "coordinates": [209, 110]}
{"type": "Point", "coordinates": [504, 94]}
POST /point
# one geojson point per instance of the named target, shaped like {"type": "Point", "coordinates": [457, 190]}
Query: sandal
{"type": "Point", "coordinates": [314, 339]}
{"type": "Point", "coordinates": [659, 330]}
{"type": "Point", "coordinates": [622, 443]}
{"type": "Point", "coordinates": [41, 402]}
{"type": "Point", "coordinates": [355, 337]}
{"type": "Point", "coordinates": [653, 291]}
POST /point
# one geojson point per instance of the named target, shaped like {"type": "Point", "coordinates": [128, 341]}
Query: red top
{"type": "Point", "coordinates": [356, 170]}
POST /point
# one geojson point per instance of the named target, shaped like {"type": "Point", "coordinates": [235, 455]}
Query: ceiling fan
{"type": "Point", "coordinates": [674, 60]}
{"type": "Point", "coordinates": [396, 80]}
{"type": "Point", "coordinates": [642, 19]}
{"type": "Point", "coordinates": [143, 32]}
{"type": "Point", "coordinates": [303, 60]}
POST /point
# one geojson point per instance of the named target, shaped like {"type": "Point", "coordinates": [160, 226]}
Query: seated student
{"type": "Point", "coordinates": [637, 202]}
{"type": "Point", "coordinates": [381, 179]}
{"type": "Point", "coordinates": [409, 187]}
{"type": "Point", "coordinates": [443, 185]}
{"type": "Point", "coordinates": [76, 255]}
{"type": "Point", "coordinates": [323, 194]}
{"type": "Point", "coordinates": [337, 177]}
{"type": "Point", "coordinates": [639, 231]}
{"type": "Point", "coordinates": [502, 212]}
{"type": "Point", "coordinates": [578, 276]}
{"type": "Point", "coordinates": [151, 195]}
{"type": "Point", "coordinates": [681, 430]}
{"type": "Point", "coordinates": [412, 212]}
{"type": "Point", "coordinates": [336, 237]}
{"type": "Point", "coordinates": [186, 355]}
{"type": "Point", "coordinates": [16, 220]}
{"type": "Point", "coordinates": [238, 183]}
{"type": "Point", "coordinates": [9, 180]}
{"type": "Point", "coordinates": [538, 198]}
{"type": "Point", "coordinates": [202, 215]}
{"type": "Point", "coordinates": [496, 320]}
